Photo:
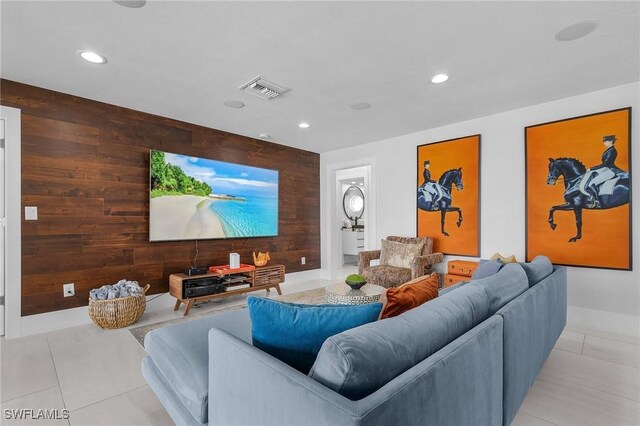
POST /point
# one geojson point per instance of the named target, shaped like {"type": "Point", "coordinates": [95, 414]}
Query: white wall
{"type": "Point", "coordinates": [601, 299]}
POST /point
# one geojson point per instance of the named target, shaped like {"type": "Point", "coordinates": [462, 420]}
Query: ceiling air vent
{"type": "Point", "coordinates": [263, 89]}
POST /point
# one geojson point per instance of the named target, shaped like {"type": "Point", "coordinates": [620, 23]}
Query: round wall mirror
{"type": "Point", "coordinates": [353, 202]}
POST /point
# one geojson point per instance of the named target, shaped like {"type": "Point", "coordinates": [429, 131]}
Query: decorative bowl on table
{"type": "Point", "coordinates": [355, 281]}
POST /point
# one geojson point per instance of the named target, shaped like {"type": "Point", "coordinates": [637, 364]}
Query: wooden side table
{"type": "Point", "coordinates": [261, 278]}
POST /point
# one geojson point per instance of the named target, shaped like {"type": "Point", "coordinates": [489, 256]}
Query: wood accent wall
{"type": "Point", "coordinates": [85, 165]}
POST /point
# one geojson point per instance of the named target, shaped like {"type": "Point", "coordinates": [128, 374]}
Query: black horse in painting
{"type": "Point", "coordinates": [443, 205]}
{"type": "Point", "coordinates": [572, 172]}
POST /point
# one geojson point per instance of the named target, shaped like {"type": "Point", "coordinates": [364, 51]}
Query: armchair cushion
{"type": "Point", "coordinates": [387, 276]}
{"type": "Point", "coordinates": [399, 254]}
{"type": "Point", "coordinates": [427, 241]}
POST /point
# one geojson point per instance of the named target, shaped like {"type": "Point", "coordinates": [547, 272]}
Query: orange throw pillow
{"type": "Point", "coordinates": [409, 295]}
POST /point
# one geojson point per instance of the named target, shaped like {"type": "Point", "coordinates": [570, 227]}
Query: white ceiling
{"type": "Point", "coordinates": [184, 59]}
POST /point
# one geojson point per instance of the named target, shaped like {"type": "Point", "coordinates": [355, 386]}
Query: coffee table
{"type": "Point", "coordinates": [342, 294]}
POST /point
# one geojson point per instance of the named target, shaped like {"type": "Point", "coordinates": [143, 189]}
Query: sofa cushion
{"type": "Point", "coordinates": [398, 300]}
{"type": "Point", "coordinates": [486, 269]}
{"type": "Point", "coordinates": [446, 290]}
{"type": "Point", "coordinates": [504, 286]}
{"type": "Point", "coordinates": [181, 354]}
{"type": "Point", "coordinates": [294, 333]}
{"type": "Point", "coordinates": [539, 269]}
{"type": "Point", "coordinates": [357, 362]}
{"type": "Point", "coordinates": [399, 255]}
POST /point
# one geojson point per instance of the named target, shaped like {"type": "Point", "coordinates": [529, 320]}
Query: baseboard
{"type": "Point", "coordinates": [302, 276]}
{"type": "Point", "coordinates": [51, 321]}
{"type": "Point", "coordinates": [56, 320]}
{"type": "Point", "coordinates": [610, 322]}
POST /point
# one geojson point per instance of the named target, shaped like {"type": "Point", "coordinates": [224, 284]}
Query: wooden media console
{"type": "Point", "coordinates": [260, 278]}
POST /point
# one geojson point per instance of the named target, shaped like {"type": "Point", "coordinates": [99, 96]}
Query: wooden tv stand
{"type": "Point", "coordinates": [260, 278]}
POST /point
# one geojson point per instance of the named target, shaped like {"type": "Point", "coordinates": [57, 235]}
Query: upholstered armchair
{"type": "Point", "coordinates": [392, 276]}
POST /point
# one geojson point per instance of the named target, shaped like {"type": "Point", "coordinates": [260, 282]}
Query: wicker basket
{"type": "Point", "coordinates": [118, 313]}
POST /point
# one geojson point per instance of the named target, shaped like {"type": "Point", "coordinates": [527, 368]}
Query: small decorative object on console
{"type": "Point", "coordinates": [355, 281]}
{"type": "Point", "coordinates": [261, 259]}
{"type": "Point", "coordinates": [234, 260]}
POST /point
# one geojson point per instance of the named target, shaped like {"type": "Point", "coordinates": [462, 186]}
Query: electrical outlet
{"type": "Point", "coordinates": [68, 289]}
{"type": "Point", "coordinates": [303, 260]}
{"type": "Point", "coordinates": [30, 213]}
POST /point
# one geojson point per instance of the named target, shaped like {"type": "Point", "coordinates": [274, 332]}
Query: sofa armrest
{"type": "Point", "coordinates": [248, 386]}
{"type": "Point", "coordinates": [365, 258]}
{"type": "Point", "coordinates": [421, 264]}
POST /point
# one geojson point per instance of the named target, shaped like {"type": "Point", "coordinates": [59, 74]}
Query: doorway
{"type": "Point", "coordinates": [352, 229]}
{"type": "Point", "coordinates": [3, 221]}
{"type": "Point", "coordinates": [10, 229]}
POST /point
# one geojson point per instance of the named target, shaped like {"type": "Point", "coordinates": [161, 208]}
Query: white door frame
{"type": "Point", "coordinates": [332, 248]}
{"type": "Point", "coordinates": [13, 234]}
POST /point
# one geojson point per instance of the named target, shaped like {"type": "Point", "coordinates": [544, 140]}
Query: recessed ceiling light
{"type": "Point", "coordinates": [360, 106]}
{"type": "Point", "coordinates": [133, 4]}
{"type": "Point", "coordinates": [304, 125]}
{"type": "Point", "coordinates": [576, 31]}
{"type": "Point", "coordinates": [92, 57]}
{"type": "Point", "coordinates": [353, 182]}
{"type": "Point", "coordinates": [264, 136]}
{"type": "Point", "coordinates": [234, 104]}
{"type": "Point", "coordinates": [439, 78]}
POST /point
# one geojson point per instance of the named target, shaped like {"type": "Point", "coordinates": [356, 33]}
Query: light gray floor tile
{"type": "Point", "coordinates": [616, 379]}
{"type": "Point", "coordinates": [570, 341]}
{"type": "Point", "coordinates": [611, 336]}
{"type": "Point", "coordinates": [612, 350]}
{"type": "Point", "coordinates": [137, 407]}
{"type": "Point", "coordinates": [77, 335]}
{"type": "Point", "coordinates": [525, 419]}
{"type": "Point", "coordinates": [48, 399]}
{"type": "Point", "coordinates": [97, 369]}
{"type": "Point", "coordinates": [570, 404]}
{"type": "Point", "coordinates": [26, 368]}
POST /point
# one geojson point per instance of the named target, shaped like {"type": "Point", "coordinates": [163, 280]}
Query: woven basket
{"type": "Point", "coordinates": [118, 313]}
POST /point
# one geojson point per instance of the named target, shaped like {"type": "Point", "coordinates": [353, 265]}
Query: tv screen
{"type": "Point", "coordinates": [195, 198]}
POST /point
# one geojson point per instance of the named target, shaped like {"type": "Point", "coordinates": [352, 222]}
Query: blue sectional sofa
{"type": "Point", "coordinates": [468, 357]}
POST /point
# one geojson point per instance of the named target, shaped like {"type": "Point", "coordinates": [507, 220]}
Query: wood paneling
{"type": "Point", "coordinates": [85, 164]}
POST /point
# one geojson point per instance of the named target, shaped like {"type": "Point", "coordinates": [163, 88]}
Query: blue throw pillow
{"type": "Point", "coordinates": [539, 269]}
{"type": "Point", "coordinates": [486, 269]}
{"type": "Point", "coordinates": [294, 333]}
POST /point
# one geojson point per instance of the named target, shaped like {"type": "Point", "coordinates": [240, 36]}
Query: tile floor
{"type": "Point", "coordinates": [590, 378]}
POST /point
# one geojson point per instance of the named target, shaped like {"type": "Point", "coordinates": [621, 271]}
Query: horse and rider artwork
{"type": "Point", "coordinates": [578, 190]}
{"type": "Point", "coordinates": [448, 209]}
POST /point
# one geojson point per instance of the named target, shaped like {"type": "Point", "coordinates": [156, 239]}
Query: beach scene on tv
{"type": "Point", "coordinates": [197, 198]}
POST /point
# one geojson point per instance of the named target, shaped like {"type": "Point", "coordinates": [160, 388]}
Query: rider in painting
{"type": "Point", "coordinates": [430, 186]}
{"type": "Point", "coordinates": [601, 173]}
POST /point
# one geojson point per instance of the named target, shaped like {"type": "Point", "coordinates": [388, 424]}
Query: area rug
{"type": "Point", "coordinates": [315, 296]}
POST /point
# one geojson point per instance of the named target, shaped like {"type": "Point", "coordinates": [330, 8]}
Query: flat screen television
{"type": "Point", "coordinates": [195, 198]}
